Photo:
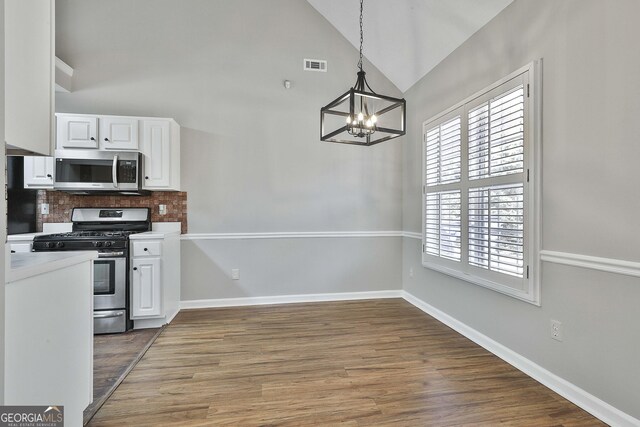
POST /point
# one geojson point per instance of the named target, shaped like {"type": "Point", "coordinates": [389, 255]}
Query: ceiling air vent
{"type": "Point", "coordinates": [315, 65]}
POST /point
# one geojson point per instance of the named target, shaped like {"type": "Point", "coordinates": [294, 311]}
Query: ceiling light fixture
{"type": "Point", "coordinates": [360, 117]}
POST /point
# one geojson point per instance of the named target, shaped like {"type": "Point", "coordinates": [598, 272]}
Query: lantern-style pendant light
{"type": "Point", "coordinates": [362, 117]}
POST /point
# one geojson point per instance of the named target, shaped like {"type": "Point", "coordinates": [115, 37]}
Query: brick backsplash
{"type": "Point", "coordinates": [61, 204]}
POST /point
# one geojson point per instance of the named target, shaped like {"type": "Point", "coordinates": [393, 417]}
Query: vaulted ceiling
{"type": "Point", "coordinates": [405, 39]}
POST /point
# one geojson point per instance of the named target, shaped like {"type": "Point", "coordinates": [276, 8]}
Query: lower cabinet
{"type": "Point", "coordinates": [146, 287]}
{"type": "Point", "coordinates": [155, 278]}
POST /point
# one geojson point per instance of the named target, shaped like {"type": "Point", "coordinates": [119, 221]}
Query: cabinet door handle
{"type": "Point", "coordinates": [146, 177]}
{"type": "Point", "coordinates": [93, 139]}
{"type": "Point", "coordinates": [135, 268]}
{"type": "Point", "coordinates": [146, 249]}
{"type": "Point", "coordinates": [106, 139]}
{"type": "Point", "coordinates": [48, 175]}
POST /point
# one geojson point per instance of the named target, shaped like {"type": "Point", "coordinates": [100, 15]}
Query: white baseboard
{"type": "Point", "coordinates": [288, 299]}
{"type": "Point", "coordinates": [569, 391]}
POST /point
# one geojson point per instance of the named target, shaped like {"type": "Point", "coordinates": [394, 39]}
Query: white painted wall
{"type": "Point", "coordinates": [251, 157]}
{"type": "Point", "coordinates": [590, 195]}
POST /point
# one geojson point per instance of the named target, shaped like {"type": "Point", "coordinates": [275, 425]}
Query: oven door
{"type": "Point", "coordinates": [79, 170]}
{"type": "Point", "coordinates": [110, 281]}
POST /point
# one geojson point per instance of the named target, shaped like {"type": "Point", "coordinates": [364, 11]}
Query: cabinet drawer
{"type": "Point", "coordinates": [147, 248]}
{"type": "Point", "coordinates": [21, 247]}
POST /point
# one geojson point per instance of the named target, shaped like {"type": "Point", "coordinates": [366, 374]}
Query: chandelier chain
{"type": "Point", "coordinates": [361, 37]}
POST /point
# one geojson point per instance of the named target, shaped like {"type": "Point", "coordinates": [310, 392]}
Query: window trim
{"type": "Point", "coordinates": [532, 163]}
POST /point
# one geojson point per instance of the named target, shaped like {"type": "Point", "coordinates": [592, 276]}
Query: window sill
{"type": "Point", "coordinates": [526, 296]}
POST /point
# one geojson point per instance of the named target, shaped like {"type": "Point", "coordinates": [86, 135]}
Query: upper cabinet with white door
{"type": "Point", "coordinates": [118, 133]}
{"type": "Point", "coordinates": [76, 131]}
{"type": "Point", "coordinates": [38, 172]}
{"type": "Point", "coordinates": [29, 36]}
{"type": "Point", "coordinates": [161, 149]}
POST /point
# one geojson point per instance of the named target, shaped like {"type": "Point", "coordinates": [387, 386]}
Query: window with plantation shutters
{"type": "Point", "coordinates": [480, 216]}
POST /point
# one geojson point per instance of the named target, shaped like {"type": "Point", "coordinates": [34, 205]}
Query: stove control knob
{"type": "Point", "coordinates": [107, 244]}
{"type": "Point", "coordinates": [60, 245]}
{"type": "Point", "coordinates": [49, 245]}
{"type": "Point", "coordinates": [97, 244]}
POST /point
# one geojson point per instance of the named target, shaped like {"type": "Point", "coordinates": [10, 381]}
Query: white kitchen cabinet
{"type": "Point", "coordinates": [158, 139]}
{"type": "Point", "coordinates": [29, 44]}
{"type": "Point", "coordinates": [161, 149]}
{"type": "Point", "coordinates": [76, 131]}
{"type": "Point", "coordinates": [146, 287]}
{"type": "Point", "coordinates": [118, 133]}
{"type": "Point", "coordinates": [49, 346]}
{"type": "Point", "coordinates": [155, 276]}
{"type": "Point", "coordinates": [38, 172]}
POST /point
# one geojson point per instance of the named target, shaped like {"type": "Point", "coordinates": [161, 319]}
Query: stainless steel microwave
{"type": "Point", "coordinates": [89, 172]}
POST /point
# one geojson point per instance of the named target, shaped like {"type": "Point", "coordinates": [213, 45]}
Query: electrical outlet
{"type": "Point", "coordinates": [44, 209]}
{"type": "Point", "coordinates": [235, 274]}
{"type": "Point", "coordinates": [556, 330]}
{"type": "Point", "coordinates": [411, 272]}
{"type": "Point", "coordinates": [162, 209]}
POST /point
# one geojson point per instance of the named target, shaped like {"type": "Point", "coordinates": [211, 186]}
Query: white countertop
{"type": "Point", "coordinates": [159, 231]}
{"type": "Point", "coordinates": [23, 236]}
{"type": "Point", "coordinates": [28, 264]}
{"type": "Point", "coordinates": [150, 235]}
{"type": "Point", "coordinates": [48, 228]}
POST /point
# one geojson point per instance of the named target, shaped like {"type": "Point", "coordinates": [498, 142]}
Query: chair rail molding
{"type": "Point", "coordinates": [289, 235]}
{"type": "Point", "coordinates": [609, 265]}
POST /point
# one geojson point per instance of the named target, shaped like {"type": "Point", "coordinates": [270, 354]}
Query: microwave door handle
{"type": "Point", "coordinates": [114, 171]}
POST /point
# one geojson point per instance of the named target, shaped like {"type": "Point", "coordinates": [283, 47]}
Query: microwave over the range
{"type": "Point", "coordinates": [88, 172]}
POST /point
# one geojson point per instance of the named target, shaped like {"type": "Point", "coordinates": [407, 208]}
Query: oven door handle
{"type": "Point", "coordinates": [110, 254]}
{"type": "Point", "coordinates": [108, 315]}
{"type": "Point", "coordinates": [114, 171]}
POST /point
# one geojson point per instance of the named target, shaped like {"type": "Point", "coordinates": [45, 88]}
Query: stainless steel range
{"type": "Point", "coordinates": [106, 231]}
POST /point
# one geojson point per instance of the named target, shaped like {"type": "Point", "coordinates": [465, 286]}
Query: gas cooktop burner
{"type": "Point", "coordinates": [87, 234]}
{"type": "Point", "coordinates": [102, 229]}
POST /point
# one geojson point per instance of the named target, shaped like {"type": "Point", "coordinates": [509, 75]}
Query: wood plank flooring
{"type": "Point", "coordinates": [114, 355]}
{"type": "Point", "coordinates": [357, 363]}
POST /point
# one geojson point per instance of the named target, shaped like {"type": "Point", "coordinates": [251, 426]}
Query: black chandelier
{"type": "Point", "coordinates": [362, 117]}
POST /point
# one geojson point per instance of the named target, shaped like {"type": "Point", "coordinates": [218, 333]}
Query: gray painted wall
{"type": "Point", "coordinates": [251, 158]}
{"type": "Point", "coordinates": [590, 195]}
{"type": "Point", "coordinates": [290, 266]}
